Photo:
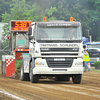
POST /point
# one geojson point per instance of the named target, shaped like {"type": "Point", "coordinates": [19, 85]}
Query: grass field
{"type": "Point", "coordinates": [95, 70]}
{"type": "Point", "coordinates": [92, 69]}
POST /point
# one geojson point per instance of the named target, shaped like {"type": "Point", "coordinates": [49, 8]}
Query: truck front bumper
{"type": "Point", "coordinates": [54, 71]}
{"type": "Point", "coordinates": [41, 67]}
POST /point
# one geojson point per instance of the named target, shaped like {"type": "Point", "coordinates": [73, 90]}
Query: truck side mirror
{"type": "Point", "coordinates": [31, 37]}
{"type": "Point", "coordinates": [87, 33]}
{"type": "Point", "coordinates": [30, 31]}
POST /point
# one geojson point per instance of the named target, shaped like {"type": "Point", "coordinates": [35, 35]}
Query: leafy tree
{"type": "Point", "coordinates": [19, 11]}
{"type": "Point", "coordinates": [94, 9]}
{"type": "Point", "coordinates": [50, 13]}
{"type": "Point", "coordinates": [44, 4]}
{"type": "Point", "coordinates": [4, 6]}
{"type": "Point", "coordinates": [85, 11]}
{"type": "Point", "coordinates": [4, 45]}
{"type": "Point", "coordinates": [6, 31]}
{"type": "Point", "coordinates": [70, 8]}
{"type": "Point", "coordinates": [30, 2]}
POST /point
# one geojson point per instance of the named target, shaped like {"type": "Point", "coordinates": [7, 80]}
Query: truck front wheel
{"type": "Point", "coordinates": [77, 79]}
{"type": "Point", "coordinates": [23, 76]}
{"type": "Point", "coordinates": [2, 68]}
{"type": "Point", "coordinates": [33, 78]}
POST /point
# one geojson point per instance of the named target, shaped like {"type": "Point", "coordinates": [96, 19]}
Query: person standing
{"type": "Point", "coordinates": [69, 34]}
{"type": "Point", "coordinates": [86, 60]}
{"type": "Point", "coordinates": [20, 41]}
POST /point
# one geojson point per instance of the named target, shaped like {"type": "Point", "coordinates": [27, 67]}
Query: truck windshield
{"type": "Point", "coordinates": [59, 33]}
{"type": "Point", "coordinates": [22, 40]}
{"type": "Point", "coordinates": [93, 46]}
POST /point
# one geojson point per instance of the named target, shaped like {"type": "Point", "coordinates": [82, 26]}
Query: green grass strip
{"type": "Point", "coordinates": [92, 69]}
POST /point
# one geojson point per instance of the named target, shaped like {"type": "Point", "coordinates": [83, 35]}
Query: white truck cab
{"type": "Point", "coordinates": [56, 49]}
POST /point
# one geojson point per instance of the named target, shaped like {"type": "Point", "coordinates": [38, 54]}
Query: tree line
{"type": "Point", "coordinates": [85, 11]}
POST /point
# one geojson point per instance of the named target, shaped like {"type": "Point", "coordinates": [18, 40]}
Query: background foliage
{"type": "Point", "coordinates": [85, 11]}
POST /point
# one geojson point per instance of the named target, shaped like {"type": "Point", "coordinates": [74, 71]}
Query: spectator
{"type": "Point", "coordinates": [42, 34]}
{"type": "Point", "coordinates": [88, 64]}
{"type": "Point", "coordinates": [69, 34]}
{"type": "Point", "coordinates": [86, 60]}
{"type": "Point", "coordinates": [20, 41]}
{"type": "Point", "coordinates": [72, 34]}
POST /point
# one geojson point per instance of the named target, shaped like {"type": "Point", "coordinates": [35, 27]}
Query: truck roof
{"type": "Point", "coordinates": [59, 23]}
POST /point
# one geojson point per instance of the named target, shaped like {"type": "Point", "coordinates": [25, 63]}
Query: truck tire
{"type": "Point", "coordinates": [77, 79]}
{"type": "Point", "coordinates": [33, 78]}
{"type": "Point", "coordinates": [23, 76]}
{"type": "Point", "coordinates": [2, 67]}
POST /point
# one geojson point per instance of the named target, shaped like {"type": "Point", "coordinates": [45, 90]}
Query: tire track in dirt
{"type": "Point", "coordinates": [84, 88]}
{"type": "Point", "coordinates": [71, 89]}
{"type": "Point", "coordinates": [25, 93]}
{"type": "Point", "coordinates": [84, 91]}
{"type": "Point", "coordinates": [91, 74]}
{"type": "Point", "coordinates": [19, 90]}
{"type": "Point", "coordinates": [11, 95]}
{"type": "Point", "coordinates": [48, 89]}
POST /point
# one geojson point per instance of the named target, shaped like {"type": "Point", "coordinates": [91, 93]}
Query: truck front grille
{"type": "Point", "coordinates": [59, 49]}
{"type": "Point", "coordinates": [59, 52]}
{"type": "Point", "coordinates": [67, 63]}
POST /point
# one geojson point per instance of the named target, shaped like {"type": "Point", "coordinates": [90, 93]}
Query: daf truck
{"type": "Point", "coordinates": [54, 51]}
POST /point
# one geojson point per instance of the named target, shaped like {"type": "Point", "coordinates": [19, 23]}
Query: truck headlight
{"type": "Point", "coordinates": [78, 63]}
{"type": "Point", "coordinates": [39, 63]}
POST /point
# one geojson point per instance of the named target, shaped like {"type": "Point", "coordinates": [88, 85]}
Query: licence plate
{"type": "Point", "coordinates": [57, 59]}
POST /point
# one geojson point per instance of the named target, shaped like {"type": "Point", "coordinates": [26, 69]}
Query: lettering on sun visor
{"type": "Point", "coordinates": [58, 45]}
{"type": "Point", "coordinates": [58, 24]}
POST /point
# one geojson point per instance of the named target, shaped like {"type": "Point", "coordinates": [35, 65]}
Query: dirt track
{"type": "Point", "coordinates": [46, 89]}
